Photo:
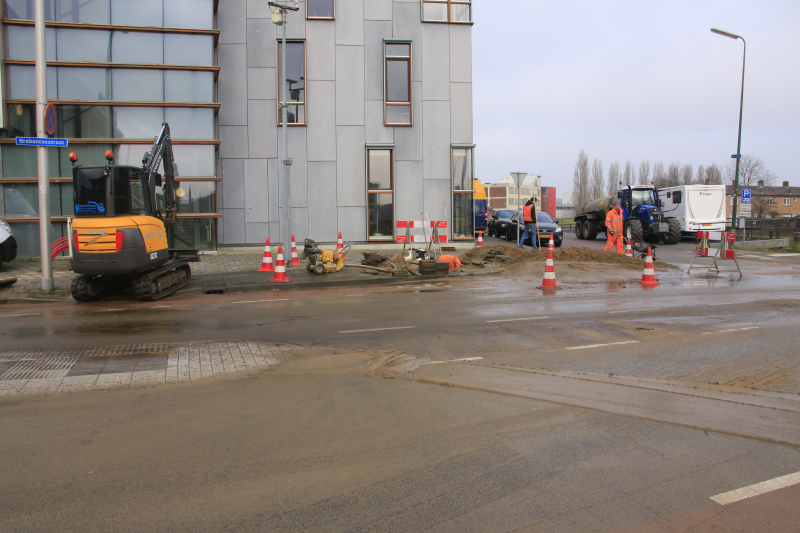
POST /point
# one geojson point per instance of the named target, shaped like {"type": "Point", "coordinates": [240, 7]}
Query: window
{"type": "Point", "coordinates": [295, 82]}
{"type": "Point", "coordinates": [446, 11]}
{"type": "Point", "coordinates": [676, 197]}
{"type": "Point", "coordinates": [380, 194]}
{"type": "Point", "coordinates": [770, 202]}
{"type": "Point", "coordinates": [397, 83]}
{"type": "Point", "coordinates": [319, 9]}
{"type": "Point", "coordinates": [463, 211]}
{"type": "Point", "coordinates": [786, 201]}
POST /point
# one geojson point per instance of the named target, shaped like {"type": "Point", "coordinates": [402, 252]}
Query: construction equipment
{"type": "Point", "coordinates": [120, 236]}
{"type": "Point", "coordinates": [642, 213]}
{"type": "Point", "coordinates": [323, 261]}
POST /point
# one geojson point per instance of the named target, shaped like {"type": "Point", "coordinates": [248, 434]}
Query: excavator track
{"type": "Point", "coordinates": [88, 288]}
{"type": "Point", "coordinates": [162, 282]}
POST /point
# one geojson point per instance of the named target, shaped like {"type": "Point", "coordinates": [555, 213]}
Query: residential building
{"type": "Point", "coordinates": [503, 195]}
{"type": "Point", "coordinates": [380, 112]}
{"type": "Point", "coordinates": [766, 201]}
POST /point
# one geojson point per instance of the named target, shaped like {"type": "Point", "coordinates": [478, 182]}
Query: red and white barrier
{"type": "Point", "coordinates": [280, 269]}
{"type": "Point", "coordinates": [266, 261]}
{"type": "Point", "coordinates": [726, 251]}
{"type": "Point", "coordinates": [429, 226]}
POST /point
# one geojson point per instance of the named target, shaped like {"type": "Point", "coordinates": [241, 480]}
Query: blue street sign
{"type": "Point", "coordinates": [745, 196]}
{"type": "Point", "coordinates": [41, 141]}
{"type": "Point", "coordinates": [736, 156]}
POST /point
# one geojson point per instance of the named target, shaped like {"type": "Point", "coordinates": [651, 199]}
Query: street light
{"type": "Point", "coordinates": [738, 155]}
{"type": "Point", "coordinates": [518, 178]}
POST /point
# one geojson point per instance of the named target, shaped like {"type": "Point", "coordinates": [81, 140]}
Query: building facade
{"type": "Point", "coordinates": [548, 201]}
{"type": "Point", "coordinates": [380, 112]}
{"type": "Point", "coordinates": [503, 195]}
{"type": "Point", "coordinates": [766, 202]}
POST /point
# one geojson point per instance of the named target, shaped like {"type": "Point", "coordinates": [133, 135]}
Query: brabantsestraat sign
{"type": "Point", "coordinates": [42, 141]}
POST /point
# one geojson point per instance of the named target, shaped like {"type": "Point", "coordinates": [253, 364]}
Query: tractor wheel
{"type": "Point", "coordinates": [590, 230]}
{"type": "Point", "coordinates": [579, 229]}
{"type": "Point", "coordinates": [635, 225]}
{"type": "Point", "coordinates": [674, 236]}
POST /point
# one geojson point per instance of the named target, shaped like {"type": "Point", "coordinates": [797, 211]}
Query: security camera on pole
{"type": "Point", "coordinates": [279, 19]}
{"type": "Point", "coordinates": [518, 178]}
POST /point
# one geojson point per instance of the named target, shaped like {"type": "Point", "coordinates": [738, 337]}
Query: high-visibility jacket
{"type": "Point", "coordinates": [614, 221]}
{"type": "Point", "coordinates": [528, 212]}
{"type": "Point", "coordinates": [455, 262]}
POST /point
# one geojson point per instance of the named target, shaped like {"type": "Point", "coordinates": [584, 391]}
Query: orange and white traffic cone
{"type": "Point", "coordinates": [649, 275]}
{"type": "Point", "coordinates": [280, 269]}
{"type": "Point", "coordinates": [549, 281]}
{"type": "Point", "coordinates": [340, 247]}
{"type": "Point", "coordinates": [295, 260]}
{"type": "Point", "coordinates": [266, 262]}
{"type": "Point", "coordinates": [551, 245]}
{"type": "Point", "coordinates": [480, 238]}
{"type": "Point", "coordinates": [628, 250]}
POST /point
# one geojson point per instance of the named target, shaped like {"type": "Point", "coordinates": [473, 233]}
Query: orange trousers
{"type": "Point", "coordinates": [614, 240]}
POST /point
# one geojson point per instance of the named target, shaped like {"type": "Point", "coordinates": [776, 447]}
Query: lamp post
{"type": "Point", "coordinates": [738, 155]}
{"type": "Point", "coordinates": [41, 151]}
{"type": "Point", "coordinates": [279, 18]}
{"type": "Point", "coordinates": [518, 178]}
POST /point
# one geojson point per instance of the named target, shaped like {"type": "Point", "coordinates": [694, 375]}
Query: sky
{"type": "Point", "coordinates": [633, 80]}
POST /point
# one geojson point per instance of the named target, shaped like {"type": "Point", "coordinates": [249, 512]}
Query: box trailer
{"type": "Point", "coordinates": [696, 207]}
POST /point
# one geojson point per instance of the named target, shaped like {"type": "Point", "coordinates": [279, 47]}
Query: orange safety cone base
{"type": "Point", "coordinates": [648, 283]}
{"type": "Point", "coordinates": [269, 268]}
{"type": "Point", "coordinates": [284, 280]}
{"type": "Point", "coordinates": [554, 287]}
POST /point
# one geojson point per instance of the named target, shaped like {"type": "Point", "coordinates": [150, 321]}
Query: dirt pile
{"type": "Point", "coordinates": [516, 255]}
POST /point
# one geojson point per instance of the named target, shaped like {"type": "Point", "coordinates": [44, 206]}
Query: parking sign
{"type": "Point", "coordinates": [745, 196]}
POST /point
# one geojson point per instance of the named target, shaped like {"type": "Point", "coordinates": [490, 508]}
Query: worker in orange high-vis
{"type": "Point", "coordinates": [529, 217]}
{"type": "Point", "coordinates": [614, 228]}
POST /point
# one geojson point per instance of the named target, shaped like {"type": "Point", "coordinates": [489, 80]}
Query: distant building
{"type": "Point", "coordinates": [548, 201]}
{"type": "Point", "coordinates": [766, 201]}
{"type": "Point", "coordinates": [503, 195]}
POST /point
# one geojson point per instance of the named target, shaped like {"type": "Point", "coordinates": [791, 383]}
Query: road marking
{"type": "Point", "coordinates": [257, 301]}
{"type": "Point", "coordinates": [376, 329]}
{"type": "Point", "coordinates": [600, 345]}
{"type": "Point", "coordinates": [634, 310]}
{"type": "Point", "coordinates": [22, 314]}
{"type": "Point", "coordinates": [759, 488]}
{"type": "Point", "coordinates": [728, 330]}
{"type": "Point", "coordinates": [473, 289]}
{"type": "Point", "coordinates": [462, 360]}
{"type": "Point", "coordinates": [518, 319]}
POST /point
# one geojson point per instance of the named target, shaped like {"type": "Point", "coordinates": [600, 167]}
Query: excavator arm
{"type": "Point", "coordinates": [161, 151]}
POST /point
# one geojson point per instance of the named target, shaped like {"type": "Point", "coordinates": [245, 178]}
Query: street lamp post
{"type": "Point", "coordinates": [41, 151]}
{"type": "Point", "coordinates": [279, 18]}
{"type": "Point", "coordinates": [738, 155]}
{"type": "Point", "coordinates": [518, 178]}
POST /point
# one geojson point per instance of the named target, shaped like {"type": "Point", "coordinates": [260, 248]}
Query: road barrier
{"type": "Point", "coordinates": [433, 236]}
{"type": "Point", "coordinates": [724, 253]}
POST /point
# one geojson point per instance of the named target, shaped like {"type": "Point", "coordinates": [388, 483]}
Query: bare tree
{"type": "Point", "coordinates": [761, 209]}
{"type": "Point", "coordinates": [613, 178]}
{"type": "Point", "coordinates": [713, 175]}
{"type": "Point", "coordinates": [701, 175]}
{"type": "Point", "coordinates": [687, 174]}
{"type": "Point", "coordinates": [644, 173]}
{"type": "Point", "coordinates": [627, 178]}
{"type": "Point", "coordinates": [633, 175]}
{"type": "Point", "coordinates": [659, 175]}
{"type": "Point", "coordinates": [580, 181]}
{"type": "Point", "coordinates": [673, 174]}
{"type": "Point", "coordinates": [597, 184]}
{"type": "Point", "coordinates": [752, 169]}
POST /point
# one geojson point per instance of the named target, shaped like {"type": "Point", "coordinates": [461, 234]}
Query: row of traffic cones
{"type": "Point", "coordinates": [280, 268]}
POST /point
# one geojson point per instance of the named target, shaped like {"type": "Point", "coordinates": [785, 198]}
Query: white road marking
{"type": "Point", "coordinates": [376, 329]}
{"type": "Point", "coordinates": [517, 319]}
{"type": "Point", "coordinates": [601, 345]}
{"type": "Point", "coordinates": [634, 310]}
{"type": "Point", "coordinates": [22, 314]}
{"type": "Point", "coordinates": [759, 488]}
{"type": "Point", "coordinates": [257, 301]}
{"type": "Point", "coordinates": [728, 330]}
{"type": "Point", "coordinates": [462, 360]}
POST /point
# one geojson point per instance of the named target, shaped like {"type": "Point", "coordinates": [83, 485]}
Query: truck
{"type": "Point", "coordinates": [641, 212]}
{"type": "Point", "coordinates": [695, 207]}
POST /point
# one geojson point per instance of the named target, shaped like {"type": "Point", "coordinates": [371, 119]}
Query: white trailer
{"type": "Point", "coordinates": [696, 207]}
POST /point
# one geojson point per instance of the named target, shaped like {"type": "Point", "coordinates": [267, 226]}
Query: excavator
{"type": "Point", "coordinates": [119, 234]}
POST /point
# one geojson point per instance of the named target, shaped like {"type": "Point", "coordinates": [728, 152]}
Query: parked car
{"type": "Point", "coordinates": [8, 244]}
{"type": "Point", "coordinates": [546, 227]}
{"type": "Point", "coordinates": [499, 221]}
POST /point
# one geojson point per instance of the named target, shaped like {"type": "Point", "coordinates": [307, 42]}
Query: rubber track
{"type": "Point", "coordinates": [80, 286]}
{"type": "Point", "coordinates": [141, 286]}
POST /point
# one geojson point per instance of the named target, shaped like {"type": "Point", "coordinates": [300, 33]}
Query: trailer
{"type": "Point", "coordinates": [695, 207]}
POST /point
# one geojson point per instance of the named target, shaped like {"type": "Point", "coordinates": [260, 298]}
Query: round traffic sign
{"type": "Point", "coordinates": [50, 118]}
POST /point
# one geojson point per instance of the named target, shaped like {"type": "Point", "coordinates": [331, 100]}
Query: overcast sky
{"type": "Point", "coordinates": [633, 80]}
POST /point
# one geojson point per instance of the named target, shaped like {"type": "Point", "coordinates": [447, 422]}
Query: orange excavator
{"type": "Point", "coordinates": [119, 233]}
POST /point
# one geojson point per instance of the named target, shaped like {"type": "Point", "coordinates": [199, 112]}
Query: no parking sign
{"type": "Point", "coordinates": [50, 118]}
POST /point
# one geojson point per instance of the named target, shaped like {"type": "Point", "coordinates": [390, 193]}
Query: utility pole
{"type": "Point", "coordinates": [279, 18]}
{"type": "Point", "coordinates": [41, 151]}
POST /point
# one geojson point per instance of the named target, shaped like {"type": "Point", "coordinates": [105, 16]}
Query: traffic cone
{"type": "Point", "coordinates": [340, 247]}
{"type": "Point", "coordinates": [480, 238]}
{"type": "Point", "coordinates": [295, 260]}
{"type": "Point", "coordinates": [280, 269]}
{"type": "Point", "coordinates": [549, 281]}
{"type": "Point", "coordinates": [649, 275]}
{"type": "Point", "coordinates": [628, 250]}
{"type": "Point", "coordinates": [266, 262]}
{"type": "Point", "coordinates": [551, 245]}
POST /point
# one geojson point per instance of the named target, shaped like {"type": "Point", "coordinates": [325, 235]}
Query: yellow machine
{"type": "Point", "coordinates": [119, 234]}
{"type": "Point", "coordinates": [323, 261]}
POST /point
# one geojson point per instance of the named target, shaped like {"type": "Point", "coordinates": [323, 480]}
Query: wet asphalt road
{"type": "Point", "coordinates": [318, 446]}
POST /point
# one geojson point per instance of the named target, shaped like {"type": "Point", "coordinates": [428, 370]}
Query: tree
{"type": "Point", "coordinates": [701, 174]}
{"type": "Point", "coordinates": [713, 175]}
{"type": "Point", "coordinates": [688, 174]}
{"type": "Point", "coordinates": [752, 169]}
{"type": "Point", "coordinates": [644, 173]}
{"type": "Point", "coordinates": [613, 178]}
{"type": "Point", "coordinates": [673, 175]}
{"type": "Point", "coordinates": [627, 177]}
{"type": "Point", "coordinates": [597, 179]}
{"type": "Point", "coordinates": [580, 181]}
{"type": "Point", "coordinates": [659, 175]}
{"type": "Point", "coordinates": [633, 175]}
{"type": "Point", "coordinates": [760, 209]}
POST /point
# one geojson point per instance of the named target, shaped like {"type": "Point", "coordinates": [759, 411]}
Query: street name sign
{"type": "Point", "coordinates": [41, 141]}
{"type": "Point", "coordinates": [745, 196]}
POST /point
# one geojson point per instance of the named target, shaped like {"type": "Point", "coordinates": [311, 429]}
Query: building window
{"type": "Point", "coordinates": [786, 201]}
{"type": "Point", "coordinates": [295, 82]}
{"type": "Point", "coordinates": [770, 201]}
{"type": "Point", "coordinates": [380, 194]}
{"type": "Point", "coordinates": [319, 9]}
{"type": "Point", "coordinates": [397, 82]}
{"type": "Point", "coordinates": [446, 11]}
{"type": "Point", "coordinates": [463, 209]}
